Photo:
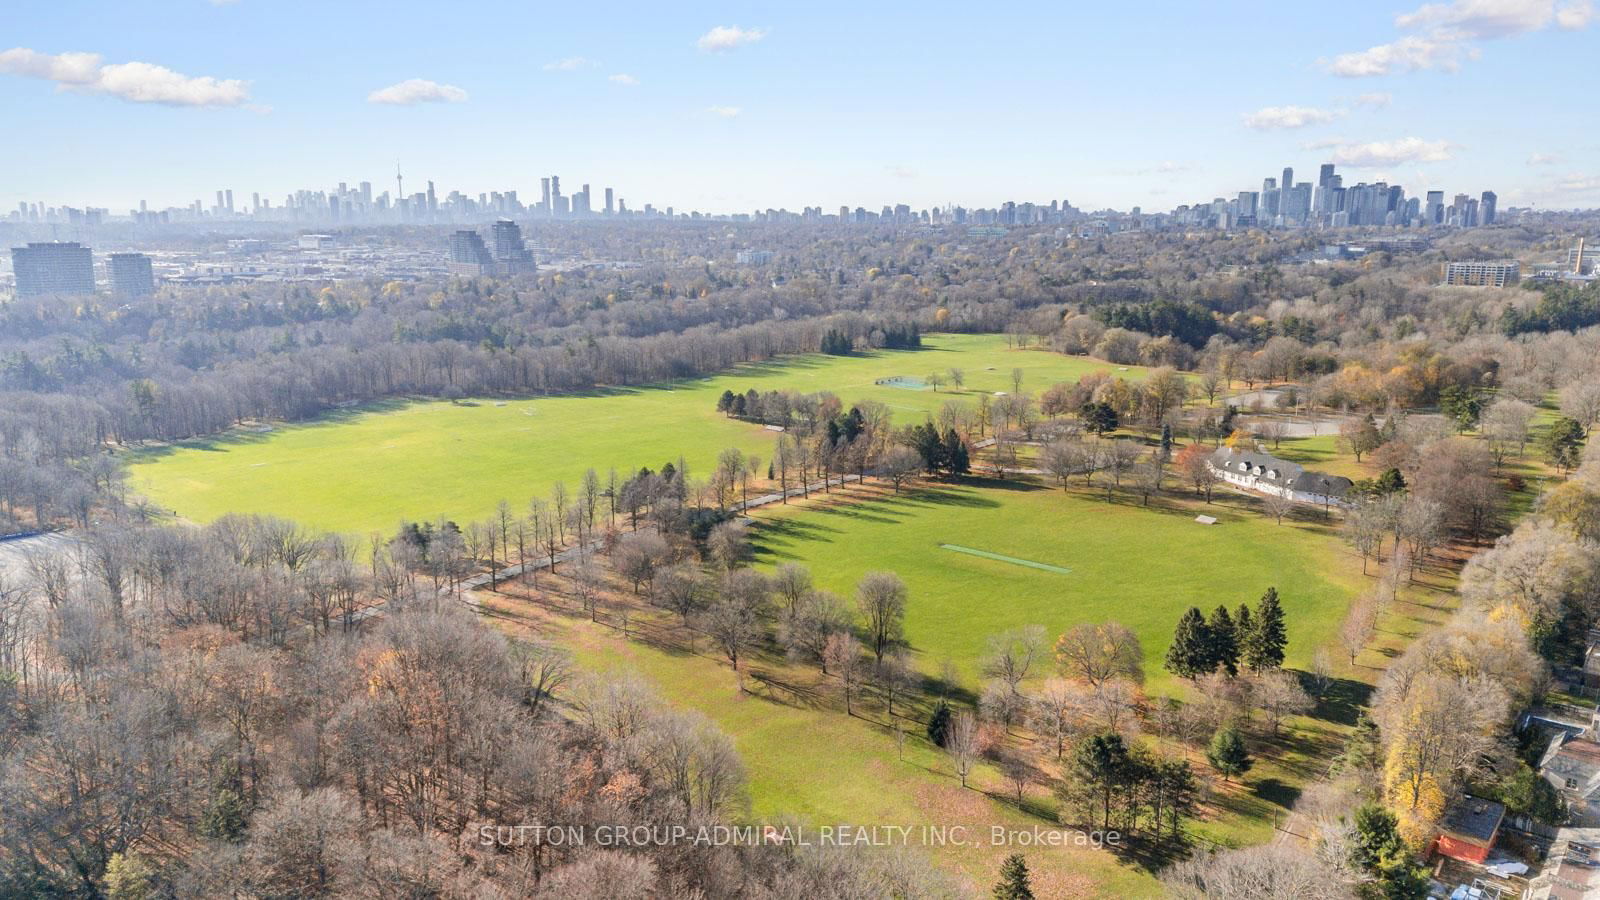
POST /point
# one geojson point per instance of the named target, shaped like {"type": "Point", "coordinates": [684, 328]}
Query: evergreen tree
{"type": "Point", "coordinates": [1563, 443]}
{"type": "Point", "coordinates": [1269, 637]}
{"type": "Point", "coordinates": [925, 440]}
{"type": "Point", "coordinates": [1223, 643]}
{"type": "Point", "coordinates": [1098, 418]}
{"type": "Point", "coordinates": [1377, 849]}
{"type": "Point", "coordinates": [1229, 413]}
{"type": "Point", "coordinates": [939, 724]}
{"type": "Point", "coordinates": [725, 402]}
{"type": "Point", "coordinates": [836, 343]}
{"type": "Point", "coordinates": [226, 818]}
{"type": "Point", "coordinates": [1390, 482]}
{"type": "Point", "coordinates": [1179, 793]}
{"type": "Point", "coordinates": [1190, 653]}
{"type": "Point", "coordinates": [1166, 440]}
{"type": "Point", "coordinates": [1227, 753]}
{"type": "Point", "coordinates": [955, 454]}
{"type": "Point", "coordinates": [129, 876]}
{"type": "Point", "coordinates": [1244, 626]}
{"type": "Point", "coordinates": [1013, 884]}
{"type": "Point", "coordinates": [1099, 769]}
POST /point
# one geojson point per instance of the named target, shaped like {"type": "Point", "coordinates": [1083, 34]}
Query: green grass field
{"type": "Point", "coordinates": [364, 470]}
{"type": "Point", "coordinates": [1140, 566]}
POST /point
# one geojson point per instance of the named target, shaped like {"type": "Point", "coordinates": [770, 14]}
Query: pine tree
{"type": "Point", "coordinates": [1269, 637]}
{"type": "Point", "coordinates": [1224, 642]}
{"type": "Point", "coordinates": [925, 440]}
{"type": "Point", "coordinates": [1190, 653]}
{"type": "Point", "coordinates": [1390, 482]}
{"type": "Point", "coordinates": [1013, 883]}
{"type": "Point", "coordinates": [725, 402]}
{"type": "Point", "coordinates": [955, 453]}
{"type": "Point", "coordinates": [939, 724]}
{"type": "Point", "coordinates": [1244, 626]}
{"type": "Point", "coordinates": [1227, 753]}
{"type": "Point", "coordinates": [1377, 848]}
{"type": "Point", "coordinates": [226, 818]}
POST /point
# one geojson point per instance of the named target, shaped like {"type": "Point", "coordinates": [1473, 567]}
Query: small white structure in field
{"type": "Point", "coordinates": [1206, 520]}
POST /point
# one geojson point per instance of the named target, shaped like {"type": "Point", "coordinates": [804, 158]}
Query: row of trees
{"type": "Point", "coordinates": [1228, 642]}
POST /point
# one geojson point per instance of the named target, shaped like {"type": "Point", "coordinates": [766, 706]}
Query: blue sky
{"type": "Point", "coordinates": [729, 107]}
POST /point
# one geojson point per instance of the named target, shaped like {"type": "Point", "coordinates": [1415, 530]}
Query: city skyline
{"type": "Point", "coordinates": [1299, 203]}
{"type": "Point", "coordinates": [708, 109]}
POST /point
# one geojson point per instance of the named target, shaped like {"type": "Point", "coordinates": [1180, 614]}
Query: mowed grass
{"type": "Point", "coordinates": [807, 761]}
{"type": "Point", "coordinates": [367, 469]}
{"type": "Point", "coordinates": [1139, 566]}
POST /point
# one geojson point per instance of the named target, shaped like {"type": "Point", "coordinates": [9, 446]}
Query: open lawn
{"type": "Point", "coordinates": [808, 761]}
{"type": "Point", "coordinates": [1139, 566]}
{"type": "Point", "coordinates": [362, 470]}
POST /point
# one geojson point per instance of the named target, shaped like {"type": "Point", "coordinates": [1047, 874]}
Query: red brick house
{"type": "Point", "coordinates": [1469, 829]}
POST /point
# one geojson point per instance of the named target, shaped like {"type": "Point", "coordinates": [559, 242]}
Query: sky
{"type": "Point", "coordinates": [729, 107]}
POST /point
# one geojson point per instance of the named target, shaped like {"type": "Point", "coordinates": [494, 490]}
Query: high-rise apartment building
{"type": "Point", "coordinates": [1486, 207]}
{"type": "Point", "coordinates": [132, 275]}
{"type": "Point", "coordinates": [511, 256]}
{"type": "Point", "coordinates": [53, 268]}
{"type": "Point", "coordinates": [468, 255]}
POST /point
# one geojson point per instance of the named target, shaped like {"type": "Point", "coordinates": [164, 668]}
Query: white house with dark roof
{"type": "Point", "coordinates": [1266, 474]}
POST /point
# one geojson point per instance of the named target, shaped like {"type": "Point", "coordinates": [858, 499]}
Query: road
{"type": "Point", "coordinates": [14, 553]}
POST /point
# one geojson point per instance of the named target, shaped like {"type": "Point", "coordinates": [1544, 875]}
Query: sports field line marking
{"type": "Point", "coordinates": [1003, 558]}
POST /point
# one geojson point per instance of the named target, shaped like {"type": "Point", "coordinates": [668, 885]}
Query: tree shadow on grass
{"type": "Point", "coordinates": [1343, 701]}
{"type": "Point", "coordinates": [1276, 792]}
{"type": "Point", "coordinates": [952, 497]}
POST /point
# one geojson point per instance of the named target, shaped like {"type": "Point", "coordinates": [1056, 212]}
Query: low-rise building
{"type": "Point", "coordinates": [1480, 273]}
{"type": "Point", "coordinates": [1266, 474]}
{"type": "Point", "coordinates": [1571, 764]}
{"type": "Point", "coordinates": [1469, 828]}
{"type": "Point", "coordinates": [1572, 868]}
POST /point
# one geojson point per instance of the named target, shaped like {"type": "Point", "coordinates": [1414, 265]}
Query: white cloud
{"type": "Point", "coordinates": [727, 37]}
{"type": "Point", "coordinates": [1374, 154]}
{"type": "Point", "coordinates": [570, 64]}
{"type": "Point", "coordinates": [1274, 118]}
{"type": "Point", "coordinates": [1543, 159]}
{"type": "Point", "coordinates": [1167, 167]}
{"type": "Point", "coordinates": [623, 79]}
{"type": "Point", "coordinates": [727, 112]}
{"type": "Point", "coordinates": [1409, 54]}
{"type": "Point", "coordinates": [136, 82]}
{"type": "Point", "coordinates": [417, 90]}
{"type": "Point", "coordinates": [1579, 184]}
{"type": "Point", "coordinates": [1575, 16]}
{"type": "Point", "coordinates": [1489, 19]}
{"type": "Point", "coordinates": [1444, 32]}
{"type": "Point", "coordinates": [1376, 100]}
